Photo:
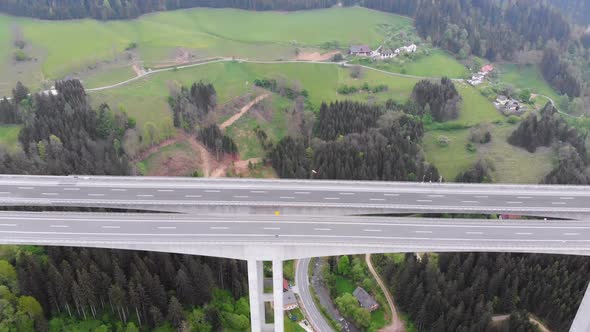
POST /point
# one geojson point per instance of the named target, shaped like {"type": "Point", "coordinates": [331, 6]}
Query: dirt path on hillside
{"type": "Point", "coordinates": [154, 148]}
{"type": "Point", "coordinates": [316, 56]}
{"type": "Point", "coordinates": [542, 328]}
{"type": "Point", "coordinates": [242, 111]}
{"type": "Point", "coordinates": [396, 323]}
{"type": "Point", "coordinates": [204, 153]}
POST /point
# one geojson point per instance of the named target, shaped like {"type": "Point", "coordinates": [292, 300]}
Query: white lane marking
{"type": "Point", "coordinates": [4, 193]}
{"type": "Point", "coordinates": [436, 196]}
{"type": "Point", "coordinates": [144, 195]}
{"type": "Point", "coordinates": [118, 189]}
{"type": "Point", "coordinates": [322, 229]}
{"type": "Point", "coordinates": [241, 196]}
{"type": "Point", "coordinates": [524, 197]}
{"type": "Point", "coordinates": [50, 194]}
{"type": "Point", "coordinates": [218, 227]}
{"type": "Point", "coordinates": [72, 189]}
{"type": "Point", "coordinates": [286, 197]}
{"type": "Point", "coordinates": [423, 232]}
{"type": "Point", "coordinates": [111, 227]}
{"type": "Point", "coordinates": [258, 191]}
{"type": "Point", "coordinates": [424, 200]}
{"type": "Point", "coordinates": [513, 202]}
{"type": "Point", "coordinates": [192, 196]}
{"type": "Point", "coordinates": [377, 199]}
{"type": "Point", "coordinates": [372, 230]}
{"type": "Point", "coordinates": [524, 233]}
{"type": "Point", "coordinates": [474, 233]}
{"type": "Point", "coordinates": [7, 225]}
{"type": "Point", "coordinates": [571, 234]}
{"type": "Point", "coordinates": [165, 190]}
{"type": "Point", "coordinates": [212, 191]}
{"type": "Point", "coordinates": [25, 188]}
{"type": "Point", "coordinates": [469, 202]}
{"type": "Point", "coordinates": [332, 198]}
{"type": "Point", "coordinates": [302, 192]}
{"type": "Point", "coordinates": [558, 203]}
{"type": "Point", "coordinates": [390, 194]}
{"type": "Point", "coordinates": [59, 226]}
{"type": "Point", "coordinates": [345, 193]}
{"type": "Point", "coordinates": [566, 198]}
{"type": "Point", "coordinates": [95, 194]}
{"type": "Point", "coordinates": [166, 227]}
{"type": "Point", "coordinates": [481, 196]}
{"type": "Point", "coordinates": [272, 228]}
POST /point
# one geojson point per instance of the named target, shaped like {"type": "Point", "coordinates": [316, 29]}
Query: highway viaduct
{"type": "Point", "coordinates": [276, 220]}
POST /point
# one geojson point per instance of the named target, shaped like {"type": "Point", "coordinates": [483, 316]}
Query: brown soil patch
{"type": "Point", "coordinates": [242, 111]}
{"type": "Point", "coordinates": [138, 69]}
{"type": "Point", "coordinates": [316, 56]}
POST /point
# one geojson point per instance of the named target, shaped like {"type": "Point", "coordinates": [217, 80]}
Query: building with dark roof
{"type": "Point", "coordinates": [365, 299]}
{"type": "Point", "coordinates": [362, 50]}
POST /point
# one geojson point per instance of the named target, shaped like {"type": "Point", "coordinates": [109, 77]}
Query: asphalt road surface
{"type": "Point", "coordinates": [312, 312]}
{"type": "Point", "coordinates": [538, 236]}
{"type": "Point", "coordinates": [142, 192]}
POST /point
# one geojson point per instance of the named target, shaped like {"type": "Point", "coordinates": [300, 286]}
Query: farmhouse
{"type": "Point", "coordinates": [360, 50]}
{"type": "Point", "coordinates": [478, 78]}
{"type": "Point", "coordinates": [406, 49]}
{"type": "Point", "coordinates": [509, 106]}
{"type": "Point", "coordinates": [365, 300]}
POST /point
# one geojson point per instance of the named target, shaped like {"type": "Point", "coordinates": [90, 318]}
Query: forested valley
{"type": "Point", "coordinates": [462, 291]}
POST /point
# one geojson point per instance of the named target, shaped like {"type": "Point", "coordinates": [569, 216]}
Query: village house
{"type": "Point", "coordinates": [478, 78]}
{"type": "Point", "coordinates": [365, 300]}
{"type": "Point", "coordinates": [360, 50]}
{"type": "Point", "coordinates": [406, 49]}
{"type": "Point", "coordinates": [509, 106]}
{"type": "Point", "coordinates": [289, 301]}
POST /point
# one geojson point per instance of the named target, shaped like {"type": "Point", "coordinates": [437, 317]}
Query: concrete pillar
{"type": "Point", "coordinates": [277, 292]}
{"type": "Point", "coordinates": [582, 321]}
{"type": "Point", "coordinates": [255, 289]}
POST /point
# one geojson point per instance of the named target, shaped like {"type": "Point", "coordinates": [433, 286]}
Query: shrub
{"type": "Point", "coordinates": [513, 119]}
{"type": "Point", "coordinates": [443, 141]}
{"type": "Point", "coordinates": [20, 55]}
{"type": "Point", "coordinates": [131, 46]}
{"type": "Point", "coordinates": [337, 57]}
{"type": "Point", "coordinates": [470, 147]}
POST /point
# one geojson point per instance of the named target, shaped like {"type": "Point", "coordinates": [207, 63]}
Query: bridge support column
{"type": "Point", "coordinates": [277, 291]}
{"type": "Point", "coordinates": [255, 289]}
{"type": "Point", "coordinates": [582, 321]}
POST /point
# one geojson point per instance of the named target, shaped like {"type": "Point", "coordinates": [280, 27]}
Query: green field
{"type": "Point", "coordinates": [512, 164]}
{"type": "Point", "coordinates": [436, 64]}
{"type": "Point", "coordinates": [525, 77]}
{"type": "Point", "coordinates": [451, 159]}
{"type": "Point", "coordinates": [146, 99]}
{"type": "Point", "coordinates": [66, 47]}
{"type": "Point", "coordinates": [476, 108]}
{"type": "Point", "coordinates": [9, 136]}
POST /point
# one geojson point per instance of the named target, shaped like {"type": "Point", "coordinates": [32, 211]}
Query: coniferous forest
{"type": "Point", "coordinates": [462, 291]}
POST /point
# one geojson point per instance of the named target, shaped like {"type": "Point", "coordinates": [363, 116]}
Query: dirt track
{"type": "Point", "coordinates": [242, 111]}
{"type": "Point", "coordinates": [396, 323]}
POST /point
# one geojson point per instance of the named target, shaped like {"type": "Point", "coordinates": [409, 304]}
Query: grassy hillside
{"type": "Point", "coordinates": [69, 46]}
{"type": "Point", "coordinates": [526, 77]}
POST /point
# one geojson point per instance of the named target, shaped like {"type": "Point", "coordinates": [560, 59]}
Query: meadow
{"type": "Point", "coordinates": [9, 137]}
{"type": "Point", "coordinates": [511, 164]}
{"type": "Point", "coordinates": [437, 63]}
{"type": "Point", "coordinates": [67, 47]}
{"type": "Point", "coordinates": [525, 77]}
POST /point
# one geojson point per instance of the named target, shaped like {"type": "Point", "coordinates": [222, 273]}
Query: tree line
{"type": "Point", "coordinates": [191, 105]}
{"type": "Point", "coordinates": [440, 100]}
{"type": "Point", "coordinates": [216, 141]}
{"type": "Point", "coordinates": [385, 146]}
{"type": "Point", "coordinates": [146, 288]}
{"type": "Point", "coordinates": [462, 291]}
{"type": "Point", "coordinates": [63, 135]}
{"type": "Point", "coordinates": [560, 74]}
{"type": "Point", "coordinates": [125, 9]}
